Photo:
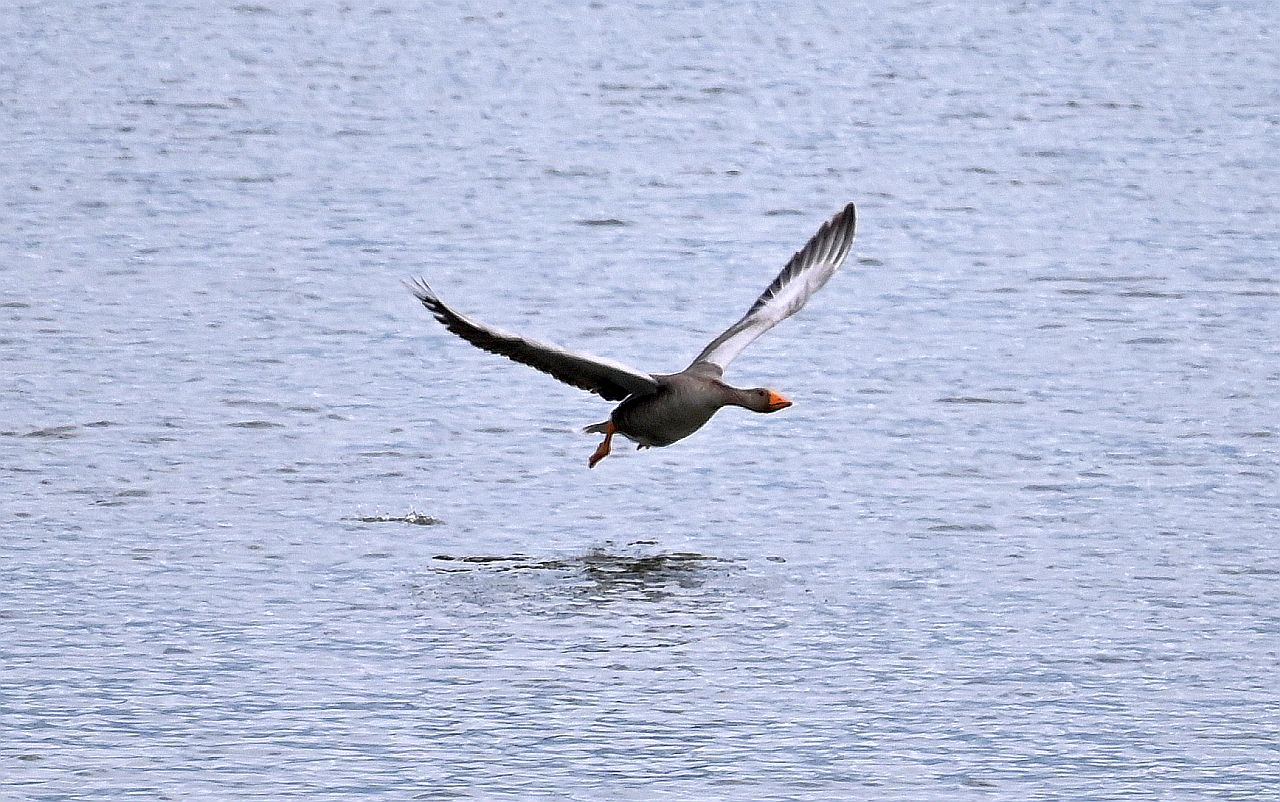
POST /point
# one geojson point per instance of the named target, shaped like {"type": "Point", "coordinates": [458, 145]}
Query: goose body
{"type": "Point", "coordinates": [661, 409]}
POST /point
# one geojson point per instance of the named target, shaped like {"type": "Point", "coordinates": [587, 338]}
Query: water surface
{"type": "Point", "coordinates": [269, 530]}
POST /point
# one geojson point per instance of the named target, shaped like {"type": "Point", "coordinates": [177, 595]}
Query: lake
{"type": "Point", "coordinates": [269, 530]}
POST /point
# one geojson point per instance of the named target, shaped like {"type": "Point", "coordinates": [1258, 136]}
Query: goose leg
{"type": "Point", "coordinates": [603, 450]}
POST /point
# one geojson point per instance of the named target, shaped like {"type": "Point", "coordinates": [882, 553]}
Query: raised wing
{"type": "Point", "coordinates": [608, 379]}
{"type": "Point", "coordinates": [804, 275]}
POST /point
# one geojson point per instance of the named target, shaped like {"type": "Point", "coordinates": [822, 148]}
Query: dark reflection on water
{"type": "Point", "coordinates": [415, 518]}
{"type": "Point", "coordinates": [653, 576]}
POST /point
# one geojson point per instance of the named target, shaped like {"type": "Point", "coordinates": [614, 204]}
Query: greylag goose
{"type": "Point", "coordinates": [660, 409]}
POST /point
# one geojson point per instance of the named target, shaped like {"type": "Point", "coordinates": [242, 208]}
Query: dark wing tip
{"type": "Point", "coordinates": [833, 236]}
{"type": "Point", "coordinates": [846, 219]}
{"type": "Point", "coordinates": [421, 290]}
{"type": "Point", "coordinates": [834, 239]}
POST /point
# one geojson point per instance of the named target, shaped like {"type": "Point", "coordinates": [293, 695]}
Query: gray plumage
{"type": "Point", "coordinates": [660, 409]}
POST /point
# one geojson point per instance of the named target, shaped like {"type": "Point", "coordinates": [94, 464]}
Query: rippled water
{"type": "Point", "coordinates": [269, 530]}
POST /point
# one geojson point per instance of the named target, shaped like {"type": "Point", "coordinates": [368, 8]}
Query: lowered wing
{"type": "Point", "coordinates": [606, 378]}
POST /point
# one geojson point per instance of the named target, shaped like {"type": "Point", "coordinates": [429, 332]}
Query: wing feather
{"type": "Point", "coordinates": [807, 271]}
{"type": "Point", "coordinates": [604, 377]}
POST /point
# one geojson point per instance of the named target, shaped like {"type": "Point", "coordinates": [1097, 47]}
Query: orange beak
{"type": "Point", "coordinates": [777, 402]}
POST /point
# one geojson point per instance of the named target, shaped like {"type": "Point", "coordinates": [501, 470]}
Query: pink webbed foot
{"type": "Point", "coordinates": [603, 450]}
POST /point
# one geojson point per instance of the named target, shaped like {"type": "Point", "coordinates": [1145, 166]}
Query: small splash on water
{"type": "Point", "coordinates": [55, 432]}
{"type": "Point", "coordinates": [962, 528]}
{"type": "Point", "coordinates": [973, 399]}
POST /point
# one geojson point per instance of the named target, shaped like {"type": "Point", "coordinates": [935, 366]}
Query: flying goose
{"type": "Point", "coordinates": [660, 409]}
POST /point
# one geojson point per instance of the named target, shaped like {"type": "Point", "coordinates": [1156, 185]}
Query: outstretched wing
{"type": "Point", "coordinates": [608, 379]}
{"type": "Point", "coordinates": [804, 275]}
